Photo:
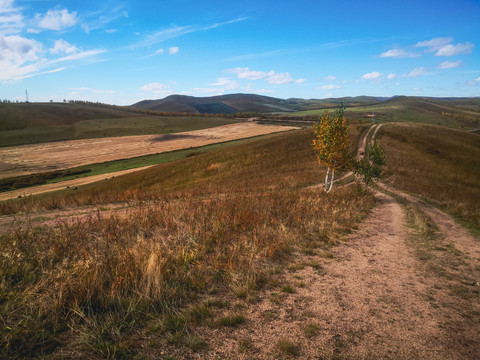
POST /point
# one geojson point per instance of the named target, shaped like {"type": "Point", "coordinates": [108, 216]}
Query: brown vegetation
{"type": "Point", "coordinates": [437, 163]}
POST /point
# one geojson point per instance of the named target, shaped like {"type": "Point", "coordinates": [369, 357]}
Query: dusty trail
{"type": "Point", "coordinates": [449, 230]}
{"type": "Point", "coordinates": [369, 301]}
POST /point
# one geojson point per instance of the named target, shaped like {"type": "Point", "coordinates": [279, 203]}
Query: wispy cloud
{"type": "Point", "coordinates": [99, 19]}
{"type": "Point", "coordinates": [11, 19]}
{"type": "Point", "coordinates": [22, 57]}
{"type": "Point", "coordinates": [330, 78]}
{"type": "Point", "coordinates": [443, 47]}
{"type": "Point", "coordinates": [454, 50]}
{"type": "Point", "coordinates": [157, 88]}
{"type": "Point", "coordinates": [418, 71]}
{"type": "Point", "coordinates": [319, 47]}
{"type": "Point", "coordinates": [177, 31]}
{"type": "Point", "coordinates": [329, 87]}
{"type": "Point", "coordinates": [173, 50]}
{"type": "Point", "coordinates": [449, 64]}
{"type": "Point", "coordinates": [227, 83]}
{"type": "Point", "coordinates": [398, 54]}
{"type": "Point", "coordinates": [371, 76]}
{"type": "Point", "coordinates": [271, 77]}
{"type": "Point", "coordinates": [434, 44]}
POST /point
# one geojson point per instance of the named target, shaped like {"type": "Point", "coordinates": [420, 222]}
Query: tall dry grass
{"type": "Point", "coordinates": [437, 163]}
{"type": "Point", "coordinates": [211, 223]}
{"type": "Point", "coordinates": [83, 277]}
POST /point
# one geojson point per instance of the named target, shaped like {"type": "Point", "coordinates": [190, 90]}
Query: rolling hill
{"type": "Point", "coordinates": [236, 103]}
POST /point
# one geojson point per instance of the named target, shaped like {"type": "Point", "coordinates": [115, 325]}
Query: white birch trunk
{"type": "Point", "coordinates": [331, 181]}
{"type": "Point", "coordinates": [326, 179]}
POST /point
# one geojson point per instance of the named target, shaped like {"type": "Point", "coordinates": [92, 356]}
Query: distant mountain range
{"type": "Point", "coordinates": [237, 103]}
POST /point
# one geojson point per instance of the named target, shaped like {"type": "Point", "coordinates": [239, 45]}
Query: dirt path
{"type": "Point", "coordinates": [27, 159]}
{"type": "Point", "coordinates": [449, 231]}
{"type": "Point", "coordinates": [368, 298]}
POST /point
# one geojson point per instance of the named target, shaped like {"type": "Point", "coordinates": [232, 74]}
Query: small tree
{"type": "Point", "coordinates": [331, 143]}
{"type": "Point", "coordinates": [370, 166]}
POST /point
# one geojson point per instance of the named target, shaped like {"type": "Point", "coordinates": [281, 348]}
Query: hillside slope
{"type": "Point", "coordinates": [234, 103]}
{"type": "Point", "coordinates": [28, 123]}
{"type": "Point", "coordinates": [227, 104]}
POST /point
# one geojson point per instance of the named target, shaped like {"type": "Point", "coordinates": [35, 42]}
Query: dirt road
{"type": "Point", "coordinates": [368, 299]}
{"type": "Point", "coordinates": [27, 159]}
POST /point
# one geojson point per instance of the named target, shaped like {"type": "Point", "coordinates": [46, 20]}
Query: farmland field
{"type": "Point", "coordinates": [28, 159]}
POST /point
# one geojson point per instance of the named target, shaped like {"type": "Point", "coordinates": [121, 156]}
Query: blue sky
{"type": "Point", "coordinates": [121, 52]}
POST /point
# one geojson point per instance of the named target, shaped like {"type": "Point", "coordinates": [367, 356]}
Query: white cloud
{"type": "Point", "coordinates": [226, 83]}
{"type": "Point", "coordinates": [62, 46]}
{"type": "Point", "coordinates": [58, 19]}
{"type": "Point", "coordinates": [11, 20]}
{"type": "Point", "coordinates": [435, 43]}
{"type": "Point", "coordinates": [330, 78]}
{"type": "Point", "coordinates": [398, 54]}
{"type": "Point", "coordinates": [246, 73]}
{"type": "Point", "coordinates": [391, 76]}
{"type": "Point", "coordinates": [100, 18]}
{"type": "Point", "coordinates": [477, 79]}
{"type": "Point", "coordinates": [22, 58]}
{"type": "Point", "coordinates": [33, 31]}
{"type": "Point", "coordinates": [54, 70]}
{"type": "Point", "coordinates": [177, 31]}
{"type": "Point", "coordinates": [282, 78]}
{"type": "Point", "coordinates": [159, 51]}
{"type": "Point", "coordinates": [449, 64]}
{"type": "Point", "coordinates": [157, 88]}
{"type": "Point", "coordinates": [77, 56]}
{"type": "Point", "coordinates": [444, 47]}
{"type": "Point", "coordinates": [418, 71]}
{"type": "Point", "coordinates": [453, 50]}
{"type": "Point", "coordinates": [15, 52]}
{"type": "Point", "coordinates": [271, 77]}
{"type": "Point", "coordinates": [371, 76]}
{"type": "Point", "coordinates": [329, 87]}
{"type": "Point", "coordinates": [173, 50]}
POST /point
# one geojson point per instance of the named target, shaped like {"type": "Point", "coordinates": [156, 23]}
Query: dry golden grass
{"type": "Point", "coordinates": [212, 224]}
{"type": "Point", "coordinates": [155, 259]}
{"type": "Point", "coordinates": [437, 163]}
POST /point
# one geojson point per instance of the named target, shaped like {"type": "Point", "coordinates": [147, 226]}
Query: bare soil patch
{"type": "Point", "coordinates": [29, 159]}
